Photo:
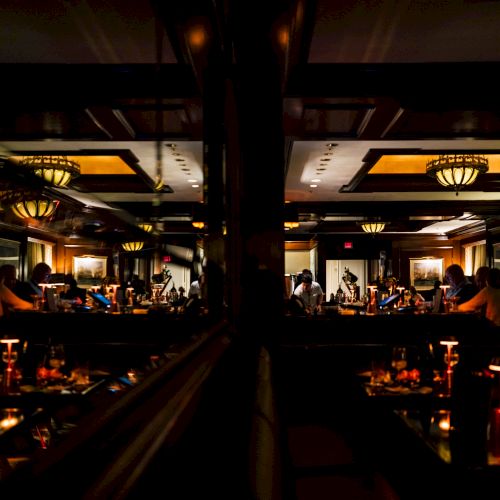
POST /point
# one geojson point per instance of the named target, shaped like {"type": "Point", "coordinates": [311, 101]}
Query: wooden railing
{"type": "Point", "coordinates": [111, 447]}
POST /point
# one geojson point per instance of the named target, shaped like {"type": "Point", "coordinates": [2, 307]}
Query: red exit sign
{"type": "Point", "coordinates": [347, 244]}
{"type": "Point", "coordinates": [167, 258]}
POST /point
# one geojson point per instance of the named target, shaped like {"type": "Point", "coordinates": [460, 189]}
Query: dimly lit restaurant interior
{"type": "Point", "coordinates": [250, 250]}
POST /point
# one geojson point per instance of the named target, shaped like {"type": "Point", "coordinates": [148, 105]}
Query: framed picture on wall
{"type": "Point", "coordinates": [89, 271]}
{"type": "Point", "coordinates": [424, 272]}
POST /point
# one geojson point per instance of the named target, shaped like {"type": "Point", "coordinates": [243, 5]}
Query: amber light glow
{"type": "Point", "coordinates": [283, 37]}
{"type": "Point", "coordinates": [57, 170]}
{"type": "Point", "coordinates": [133, 246]}
{"type": "Point", "coordinates": [10, 418]}
{"type": "Point", "coordinates": [444, 422]}
{"type": "Point", "coordinates": [197, 37]}
{"type": "Point", "coordinates": [146, 227]}
{"type": "Point", "coordinates": [34, 209]}
{"type": "Point", "coordinates": [457, 170]}
{"type": "Point", "coordinates": [373, 227]}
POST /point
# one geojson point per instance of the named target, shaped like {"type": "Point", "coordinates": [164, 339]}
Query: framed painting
{"type": "Point", "coordinates": [89, 270]}
{"type": "Point", "coordinates": [424, 272]}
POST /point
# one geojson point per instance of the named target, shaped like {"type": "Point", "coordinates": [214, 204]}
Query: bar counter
{"type": "Point", "coordinates": [390, 328]}
{"type": "Point", "coordinates": [319, 369]}
{"type": "Point", "coordinates": [146, 380]}
{"type": "Point", "coordinates": [427, 424]}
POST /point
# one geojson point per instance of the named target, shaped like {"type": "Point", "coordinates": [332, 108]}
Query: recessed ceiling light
{"type": "Point", "coordinates": [195, 185]}
{"type": "Point", "coordinates": [325, 159]}
{"type": "Point", "coordinates": [313, 185]}
{"type": "Point", "coordinates": [315, 180]}
{"type": "Point", "coordinates": [179, 159]}
{"type": "Point", "coordinates": [192, 180]}
{"type": "Point", "coordinates": [185, 169]}
{"type": "Point", "coordinates": [320, 169]}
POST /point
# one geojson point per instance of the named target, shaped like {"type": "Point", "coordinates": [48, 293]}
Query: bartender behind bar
{"type": "Point", "coordinates": [310, 293]}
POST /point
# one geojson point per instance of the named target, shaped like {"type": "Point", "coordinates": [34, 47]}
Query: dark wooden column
{"type": "Point", "coordinates": [213, 172]}
{"type": "Point", "coordinates": [257, 190]}
{"type": "Point", "coordinates": [241, 55]}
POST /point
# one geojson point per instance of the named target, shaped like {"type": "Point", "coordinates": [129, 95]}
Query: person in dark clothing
{"type": "Point", "coordinates": [74, 292]}
{"type": "Point", "coordinates": [29, 290]}
{"type": "Point", "coordinates": [460, 286]}
{"type": "Point", "coordinates": [138, 285]}
{"type": "Point", "coordinates": [8, 273]}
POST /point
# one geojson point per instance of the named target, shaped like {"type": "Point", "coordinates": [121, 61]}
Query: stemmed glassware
{"type": "Point", "coordinates": [399, 360]}
{"type": "Point", "coordinates": [56, 356]}
{"type": "Point", "coordinates": [445, 299]}
{"type": "Point", "coordinates": [9, 357]}
{"type": "Point", "coordinates": [401, 301]}
{"type": "Point", "coordinates": [50, 371]}
{"type": "Point", "coordinates": [451, 358]}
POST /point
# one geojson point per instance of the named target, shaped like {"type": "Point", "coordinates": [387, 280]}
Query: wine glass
{"type": "Point", "coordinates": [12, 358]}
{"type": "Point", "coordinates": [56, 357]}
{"type": "Point", "coordinates": [451, 358]}
{"type": "Point", "coordinates": [454, 303]}
{"type": "Point", "coordinates": [9, 357]}
{"type": "Point", "coordinates": [399, 359]}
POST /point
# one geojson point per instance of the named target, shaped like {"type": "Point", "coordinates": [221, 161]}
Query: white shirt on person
{"type": "Point", "coordinates": [311, 297]}
{"type": "Point", "coordinates": [195, 289]}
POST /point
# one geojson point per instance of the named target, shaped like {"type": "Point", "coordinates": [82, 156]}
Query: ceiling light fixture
{"type": "Point", "coordinates": [133, 246]}
{"type": "Point", "coordinates": [37, 208]}
{"type": "Point", "coordinates": [56, 170]}
{"type": "Point", "coordinates": [457, 171]}
{"type": "Point", "coordinates": [198, 225]}
{"type": "Point", "coordinates": [373, 227]}
{"type": "Point", "coordinates": [291, 225]}
{"type": "Point", "coordinates": [146, 227]}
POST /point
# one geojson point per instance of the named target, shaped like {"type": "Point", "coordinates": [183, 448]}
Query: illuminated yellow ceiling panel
{"type": "Point", "coordinates": [97, 165]}
{"type": "Point", "coordinates": [102, 165]}
{"type": "Point", "coordinates": [415, 164]}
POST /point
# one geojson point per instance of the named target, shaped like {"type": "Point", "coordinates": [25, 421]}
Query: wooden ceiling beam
{"type": "Point", "coordinates": [76, 86]}
{"type": "Point", "coordinates": [425, 85]}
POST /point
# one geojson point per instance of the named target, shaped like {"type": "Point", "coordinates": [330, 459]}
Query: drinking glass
{"type": "Point", "coordinates": [37, 302]}
{"type": "Point", "coordinates": [9, 357]}
{"type": "Point", "coordinates": [399, 359]}
{"type": "Point", "coordinates": [56, 356]}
